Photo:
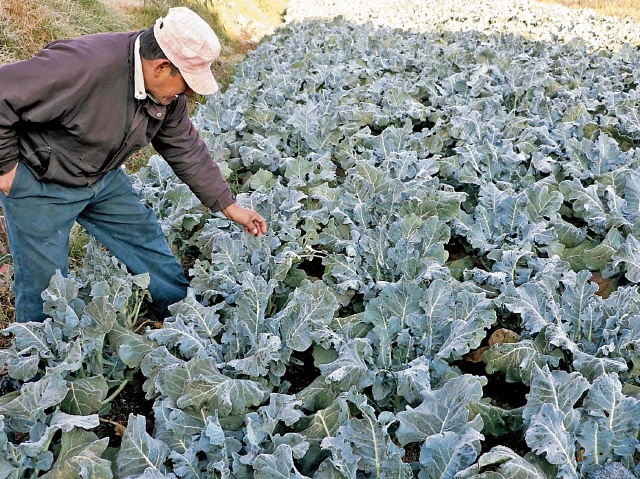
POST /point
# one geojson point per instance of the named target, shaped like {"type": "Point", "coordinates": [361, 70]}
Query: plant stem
{"type": "Point", "coordinates": [120, 388]}
{"type": "Point", "coordinates": [148, 321]}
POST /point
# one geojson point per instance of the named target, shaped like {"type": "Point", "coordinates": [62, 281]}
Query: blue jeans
{"type": "Point", "coordinates": [39, 217]}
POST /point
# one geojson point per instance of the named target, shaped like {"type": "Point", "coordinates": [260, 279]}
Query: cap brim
{"type": "Point", "coordinates": [202, 83]}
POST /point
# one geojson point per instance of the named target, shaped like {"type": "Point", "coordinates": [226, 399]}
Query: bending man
{"type": "Point", "coordinates": [70, 117]}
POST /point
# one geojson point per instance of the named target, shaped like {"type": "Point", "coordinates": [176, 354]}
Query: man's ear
{"type": "Point", "coordinates": [161, 65]}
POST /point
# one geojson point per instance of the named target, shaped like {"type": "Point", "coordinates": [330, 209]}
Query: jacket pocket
{"type": "Point", "coordinates": [37, 157]}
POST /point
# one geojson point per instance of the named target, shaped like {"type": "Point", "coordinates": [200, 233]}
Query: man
{"type": "Point", "coordinates": [70, 117]}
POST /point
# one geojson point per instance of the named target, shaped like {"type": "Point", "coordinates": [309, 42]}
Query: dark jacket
{"type": "Point", "coordinates": [69, 113]}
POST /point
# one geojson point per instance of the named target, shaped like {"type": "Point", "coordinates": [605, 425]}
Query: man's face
{"type": "Point", "coordinates": [165, 87]}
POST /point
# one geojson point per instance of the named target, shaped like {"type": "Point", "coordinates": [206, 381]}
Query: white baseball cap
{"type": "Point", "coordinates": [191, 45]}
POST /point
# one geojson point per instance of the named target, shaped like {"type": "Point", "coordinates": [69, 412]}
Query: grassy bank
{"type": "Point", "coordinates": [27, 25]}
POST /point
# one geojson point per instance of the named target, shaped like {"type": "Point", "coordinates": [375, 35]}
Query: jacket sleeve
{"type": "Point", "coordinates": [179, 144]}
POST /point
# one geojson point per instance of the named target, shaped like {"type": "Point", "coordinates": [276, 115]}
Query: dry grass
{"type": "Point", "coordinates": [139, 159]}
{"type": "Point", "coordinates": [249, 20]}
{"type": "Point", "coordinates": [7, 311]}
{"type": "Point", "coordinates": [6, 294]}
{"type": "Point", "coordinates": [619, 8]}
{"type": "Point", "coordinates": [27, 25]}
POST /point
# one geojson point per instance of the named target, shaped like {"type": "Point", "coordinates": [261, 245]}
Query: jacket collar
{"type": "Point", "coordinates": [138, 77]}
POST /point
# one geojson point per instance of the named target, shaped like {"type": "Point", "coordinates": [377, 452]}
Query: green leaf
{"type": "Point", "coordinates": [444, 409]}
{"type": "Point", "coordinates": [496, 420]}
{"type": "Point", "coordinates": [352, 366]}
{"type": "Point", "coordinates": [558, 388]}
{"type": "Point", "coordinates": [217, 391]}
{"type": "Point", "coordinates": [131, 347]}
{"type": "Point", "coordinates": [516, 360]}
{"type": "Point", "coordinates": [443, 455]}
{"type": "Point", "coordinates": [85, 395]}
{"type": "Point", "coordinates": [512, 466]}
{"type": "Point", "coordinates": [326, 421]}
{"type": "Point", "coordinates": [310, 310]}
{"type": "Point", "coordinates": [80, 457]}
{"type": "Point", "coordinates": [139, 451]}
{"type": "Point", "coordinates": [547, 435]}
{"type": "Point", "coordinates": [629, 255]}
{"type": "Point", "coordinates": [278, 464]}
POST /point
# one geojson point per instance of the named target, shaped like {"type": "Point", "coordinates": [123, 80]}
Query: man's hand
{"type": "Point", "coordinates": [6, 180]}
{"type": "Point", "coordinates": [251, 221]}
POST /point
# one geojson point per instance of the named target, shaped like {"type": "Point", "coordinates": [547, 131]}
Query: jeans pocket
{"type": "Point", "coordinates": [24, 183]}
{"type": "Point", "coordinates": [14, 184]}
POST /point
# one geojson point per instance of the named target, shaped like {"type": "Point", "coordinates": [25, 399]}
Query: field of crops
{"type": "Point", "coordinates": [448, 287]}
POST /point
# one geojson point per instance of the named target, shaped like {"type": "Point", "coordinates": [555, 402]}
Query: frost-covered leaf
{"type": "Point", "coordinates": [547, 435]}
{"type": "Point", "coordinates": [252, 302]}
{"type": "Point", "coordinates": [441, 410]}
{"type": "Point", "coordinates": [257, 360]}
{"type": "Point", "coordinates": [85, 395]}
{"type": "Point", "coordinates": [352, 366]}
{"type": "Point", "coordinates": [629, 255]}
{"type": "Point", "coordinates": [542, 202]}
{"type": "Point", "coordinates": [34, 398]}
{"type": "Point", "coordinates": [205, 320]}
{"type": "Point", "coordinates": [586, 203]}
{"type": "Point", "coordinates": [558, 388]}
{"type": "Point", "coordinates": [326, 421]}
{"type": "Point", "coordinates": [217, 391]}
{"type": "Point", "coordinates": [278, 464]}
{"type": "Point", "coordinates": [310, 310]}
{"type": "Point", "coordinates": [613, 411]}
{"type": "Point", "coordinates": [533, 302]}
{"type": "Point", "coordinates": [443, 455]}
{"type": "Point", "coordinates": [131, 347]}
{"type": "Point", "coordinates": [139, 450]}
{"type": "Point", "coordinates": [511, 465]}
{"type": "Point", "coordinates": [183, 336]}
{"type": "Point", "coordinates": [80, 457]}
{"type": "Point", "coordinates": [368, 440]}
{"type": "Point", "coordinates": [516, 360]}
{"type": "Point", "coordinates": [414, 379]}
{"type": "Point", "coordinates": [99, 315]}
{"type": "Point", "coordinates": [596, 258]}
